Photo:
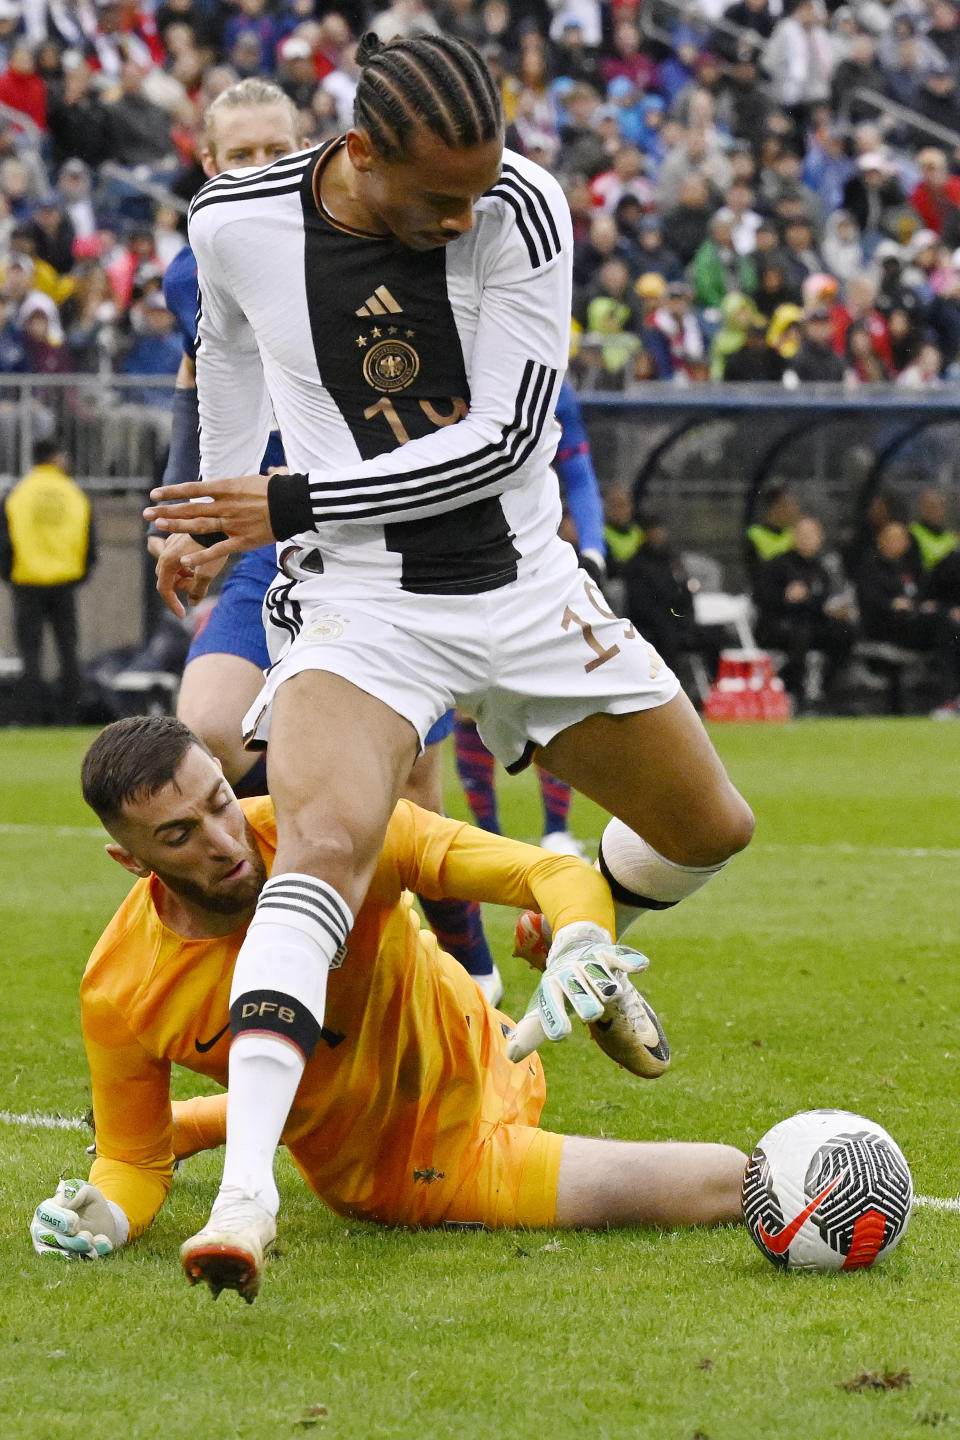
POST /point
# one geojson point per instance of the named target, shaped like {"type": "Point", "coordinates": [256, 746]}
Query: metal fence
{"type": "Point", "coordinates": [697, 456]}
{"type": "Point", "coordinates": [115, 428]}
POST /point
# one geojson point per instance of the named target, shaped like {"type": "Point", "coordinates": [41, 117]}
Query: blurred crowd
{"type": "Point", "coordinates": [885, 592]}
{"type": "Point", "coordinates": [762, 191]}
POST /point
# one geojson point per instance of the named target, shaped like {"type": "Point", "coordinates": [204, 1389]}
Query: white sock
{"type": "Point", "coordinates": [277, 1003]}
{"type": "Point", "coordinates": [640, 878]}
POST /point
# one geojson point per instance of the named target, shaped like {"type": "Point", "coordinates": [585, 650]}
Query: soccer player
{"type": "Point", "coordinates": [249, 125]}
{"type": "Point", "coordinates": [409, 1110]}
{"type": "Point", "coordinates": [401, 296]}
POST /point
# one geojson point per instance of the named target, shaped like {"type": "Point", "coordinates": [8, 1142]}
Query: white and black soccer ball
{"type": "Point", "coordinates": [827, 1190]}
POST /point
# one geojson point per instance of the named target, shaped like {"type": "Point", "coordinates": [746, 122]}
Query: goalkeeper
{"type": "Point", "coordinates": [409, 1111]}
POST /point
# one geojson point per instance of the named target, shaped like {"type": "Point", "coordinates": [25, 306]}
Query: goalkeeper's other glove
{"type": "Point", "coordinates": [584, 968]}
{"type": "Point", "coordinates": [77, 1223]}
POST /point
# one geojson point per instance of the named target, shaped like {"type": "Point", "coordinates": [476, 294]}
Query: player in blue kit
{"type": "Point", "coordinates": [250, 124]}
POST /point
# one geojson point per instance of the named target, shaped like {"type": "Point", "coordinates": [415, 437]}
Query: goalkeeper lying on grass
{"type": "Point", "coordinates": [410, 1111]}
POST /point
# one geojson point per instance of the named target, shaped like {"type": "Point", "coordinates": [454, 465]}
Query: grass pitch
{"type": "Point", "coordinates": [819, 969]}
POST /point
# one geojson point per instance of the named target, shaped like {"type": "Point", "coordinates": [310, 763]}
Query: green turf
{"type": "Point", "coordinates": [820, 969]}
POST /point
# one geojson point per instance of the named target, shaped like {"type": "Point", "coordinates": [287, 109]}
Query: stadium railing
{"type": "Point", "coordinates": [697, 456]}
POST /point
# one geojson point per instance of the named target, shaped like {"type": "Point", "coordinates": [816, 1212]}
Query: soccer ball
{"type": "Point", "coordinates": [827, 1190]}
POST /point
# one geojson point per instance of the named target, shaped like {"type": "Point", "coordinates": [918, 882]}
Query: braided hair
{"type": "Point", "coordinates": [429, 80]}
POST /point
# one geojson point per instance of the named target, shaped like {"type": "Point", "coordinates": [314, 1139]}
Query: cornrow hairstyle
{"type": "Point", "coordinates": [247, 93]}
{"type": "Point", "coordinates": [429, 80]}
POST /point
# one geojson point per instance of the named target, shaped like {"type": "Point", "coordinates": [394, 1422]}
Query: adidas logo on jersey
{"type": "Point", "coordinates": [381, 302]}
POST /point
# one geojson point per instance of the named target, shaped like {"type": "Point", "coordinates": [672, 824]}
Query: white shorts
{"type": "Point", "coordinates": [526, 660]}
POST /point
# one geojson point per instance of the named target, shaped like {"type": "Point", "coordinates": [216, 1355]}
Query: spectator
{"type": "Point", "coordinates": [873, 197]}
{"type": "Point", "coordinates": [53, 233]}
{"type": "Point", "coordinates": [625, 177]}
{"type": "Point", "coordinates": [621, 531]}
{"type": "Point", "coordinates": [893, 609]}
{"type": "Point", "coordinates": [652, 291]}
{"type": "Point", "coordinates": [737, 316]}
{"type": "Point", "coordinates": [604, 242]}
{"type": "Point", "coordinates": [22, 295]}
{"type": "Point", "coordinates": [754, 16]}
{"type": "Point", "coordinates": [796, 612]}
{"type": "Point", "coordinates": [773, 287]}
{"type": "Point", "coordinates": [123, 35]}
{"type": "Point", "coordinates": [658, 599]}
{"type": "Point", "coordinates": [678, 322]}
{"type": "Point", "coordinates": [923, 373]}
{"type": "Point", "coordinates": [944, 31]}
{"type": "Point", "coordinates": [938, 101]}
{"type": "Point", "coordinates": [860, 331]}
{"type": "Point", "coordinates": [22, 88]}
{"type": "Point", "coordinates": [11, 16]}
{"type": "Point", "coordinates": [157, 351]}
{"type": "Point", "coordinates": [628, 59]}
{"type": "Point", "coordinates": [44, 356]}
{"type": "Point", "coordinates": [799, 58]}
{"type": "Point", "coordinates": [755, 360]}
{"type": "Point", "coordinates": [251, 19]}
{"type": "Point", "coordinates": [139, 129]}
{"type": "Point", "coordinates": [936, 198]}
{"type": "Point", "coordinates": [296, 72]}
{"type": "Point", "coordinates": [13, 358]}
{"type": "Point", "coordinates": [772, 533]}
{"type": "Point", "coordinates": [717, 268]}
{"type": "Point", "coordinates": [47, 548]}
{"type": "Point", "coordinates": [89, 316]}
{"type": "Point", "coordinates": [79, 121]}
{"type": "Point", "coordinates": [906, 339]}
{"type": "Point", "coordinates": [935, 537]}
{"type": "Point", "coordinates": [816, 361]}
{"type": "Point", "coordinates": [800, 256]}
{"type": "Point", "coordinates": [609, 318]}
{"type": "Point", "coordinates": [842, 248]}
{"type": "Point", "coordinates": [739, 200]}
{"type": "Point", "coordinates": [653, 254]}
{"type": "Point", "coordinates": [684, 228]}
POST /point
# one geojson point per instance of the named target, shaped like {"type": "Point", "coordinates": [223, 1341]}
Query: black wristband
{"type": "Point", "coordinates": [205, 541]}
{"type": "Point", "coordinates": [288, 498]}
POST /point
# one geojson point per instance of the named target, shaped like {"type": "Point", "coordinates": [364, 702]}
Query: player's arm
{"type": "Point", "coordinates": [440, 858]}
{"type": "Point", "coordinates": [574, 464]}
{"type": "Point", "coordinates": [131, 1175]}
{"type": "Point", "coordinates": [445, 859]}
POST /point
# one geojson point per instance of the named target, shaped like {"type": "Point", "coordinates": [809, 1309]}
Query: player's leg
{"type": "Point", "coordinates": [337, 760]}
{"type": "Point", "coordinates": [623, 1182]}
{"type": "Point", "coordinates": [678, 817]}
{"type": "Point", "coordinates": [475, 767]}
{"type": "Point", "coordinates": [457, 924]}
{"type": "Point", "coordinates": [556, 796]}
{"type": "Point", "coordinates": [216, 691]}
{"type": "Point", "coordinates": [224, 671]}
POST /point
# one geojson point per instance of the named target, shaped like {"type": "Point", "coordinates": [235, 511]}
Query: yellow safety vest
{"type": "Point", "coordinates": [48, 517]}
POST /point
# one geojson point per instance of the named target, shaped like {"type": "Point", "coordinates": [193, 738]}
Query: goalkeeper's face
{"type": "Point", "coordinates": [193, 835]}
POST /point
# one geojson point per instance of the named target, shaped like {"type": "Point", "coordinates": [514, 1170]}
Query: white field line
{"type": "Point", "coordinates": [839, 847]}
{"type": "Point", "coordinates": [36, 1120]}
{"type": "Point", "coordinates": [936, 1202]}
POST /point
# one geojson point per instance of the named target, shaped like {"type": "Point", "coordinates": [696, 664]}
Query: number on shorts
{"type": "Point", "coordinates": [570, 617]}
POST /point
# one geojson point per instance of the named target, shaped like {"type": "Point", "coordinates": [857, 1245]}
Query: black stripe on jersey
{"type": "Point", "coordinates": [285, 167]}
{"type": "Point", "coordinates": [282, 611]}
{"type": "Point", "coordinates": [537, 200]}
{"type": "Point", "coordinates": [263, 193]}
{"type": "Point", "coordinates": [534, 220]}
{"type": "Point", "coordinates": [462, 552]}
{"type": "Point", "coordinates": [416, 488]}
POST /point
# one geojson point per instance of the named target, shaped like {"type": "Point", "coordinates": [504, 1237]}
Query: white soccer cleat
{"type": "Point", "coordinates": [561, 842]}
{"type": "Point", "coordinates": [492, 986]}
{"type": "Point", "coordinates": [631, 1035]}
{"type": "Point", "coordinates": [228, 1253]}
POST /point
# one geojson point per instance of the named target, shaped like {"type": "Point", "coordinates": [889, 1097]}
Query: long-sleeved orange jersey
{"type": "Point", "coordinates": [409, 1111]}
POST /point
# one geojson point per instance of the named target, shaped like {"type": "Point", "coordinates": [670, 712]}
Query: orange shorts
{"type": "Point", "coordinates": [515, 1186]}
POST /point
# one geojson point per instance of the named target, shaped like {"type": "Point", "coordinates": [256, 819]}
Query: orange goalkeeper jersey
{"type": "Point", "coordinates": [410, 1065]}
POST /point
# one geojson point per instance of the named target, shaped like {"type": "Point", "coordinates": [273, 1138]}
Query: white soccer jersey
{"type": "Point", "coordinates": [414, 391]}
